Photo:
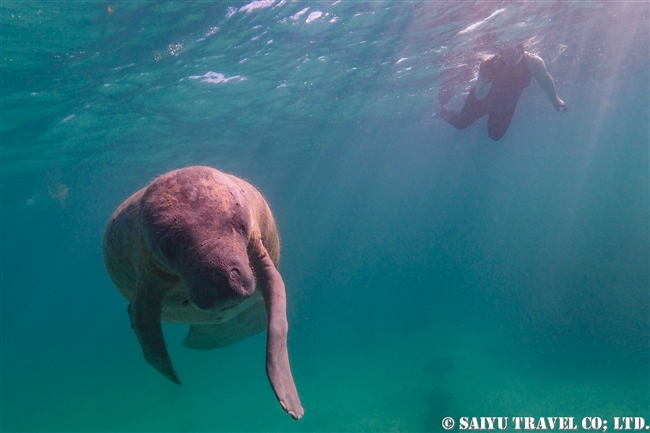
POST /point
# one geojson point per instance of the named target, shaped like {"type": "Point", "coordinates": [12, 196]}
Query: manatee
{"type": "Point", "coordinates": [200, 247]}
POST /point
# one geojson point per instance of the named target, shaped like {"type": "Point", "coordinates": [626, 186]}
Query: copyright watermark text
{"type": "Point", "coordinates": [594, 423]}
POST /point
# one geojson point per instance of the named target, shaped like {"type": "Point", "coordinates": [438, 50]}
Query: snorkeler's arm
{"type": "Point", "coordinates": [538, 70]}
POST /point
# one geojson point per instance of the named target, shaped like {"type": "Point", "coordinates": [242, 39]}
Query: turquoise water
{"type": "Point", "coordinates": [430, 272]}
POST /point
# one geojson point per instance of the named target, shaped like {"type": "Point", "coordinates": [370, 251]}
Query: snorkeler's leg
{"type": "Point", "coordinates": [498, 124]}
{"type": "Point", "coordinates": [470, 113]}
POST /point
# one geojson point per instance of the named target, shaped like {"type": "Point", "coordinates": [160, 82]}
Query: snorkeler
{"type": "Point", "coordinates": [501, 80]}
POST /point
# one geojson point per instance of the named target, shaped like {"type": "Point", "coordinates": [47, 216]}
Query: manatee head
{"type": "Point", "coordinates": [197, 227]}
{"type": "Point", "coordinates": [218, 274]}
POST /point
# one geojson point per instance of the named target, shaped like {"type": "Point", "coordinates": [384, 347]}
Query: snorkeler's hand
{"type": "Point", "coordinates": [560, 105]}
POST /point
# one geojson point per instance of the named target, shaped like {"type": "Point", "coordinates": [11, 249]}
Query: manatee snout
{"type": "Point", "coordinates": [242, 280]}
{"type": "Point", "coordinates": [220, 287]}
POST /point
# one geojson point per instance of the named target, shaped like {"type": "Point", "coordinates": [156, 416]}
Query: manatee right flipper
{"type": "Point", "coordinates": [278, 368]}
{"type": "Point", "coordinates": [249, 322]}
{"type": "Point", "coordinates": [145, 311]}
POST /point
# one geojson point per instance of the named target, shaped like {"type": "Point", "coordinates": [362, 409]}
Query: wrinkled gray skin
{"type": "Point", "coordinates": [193, 247]}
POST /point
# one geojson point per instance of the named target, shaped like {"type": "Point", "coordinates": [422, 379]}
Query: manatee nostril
{"type": "Point", "coordinates": [241, 282]}
{"type": "Point", "coordinates": [235, 274]}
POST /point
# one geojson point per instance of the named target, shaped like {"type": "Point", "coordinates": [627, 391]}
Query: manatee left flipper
{"type": "Point", "coordinates": [278, 368]}
{"type": "Point", "coordinates": [145, 311]}
{"type": "Point", "coordinates": [249, 322]}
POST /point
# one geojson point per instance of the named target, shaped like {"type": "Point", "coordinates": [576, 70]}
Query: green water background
{"type": "Point", "coordinates": [430, 272]}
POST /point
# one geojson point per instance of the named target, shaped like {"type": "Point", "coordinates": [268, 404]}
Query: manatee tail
{"type": "Point", "coordinates": [145, 311]}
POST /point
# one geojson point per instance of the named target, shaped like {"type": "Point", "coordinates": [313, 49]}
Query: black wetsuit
{"type": "Point", "coordinates": [499, 104]}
